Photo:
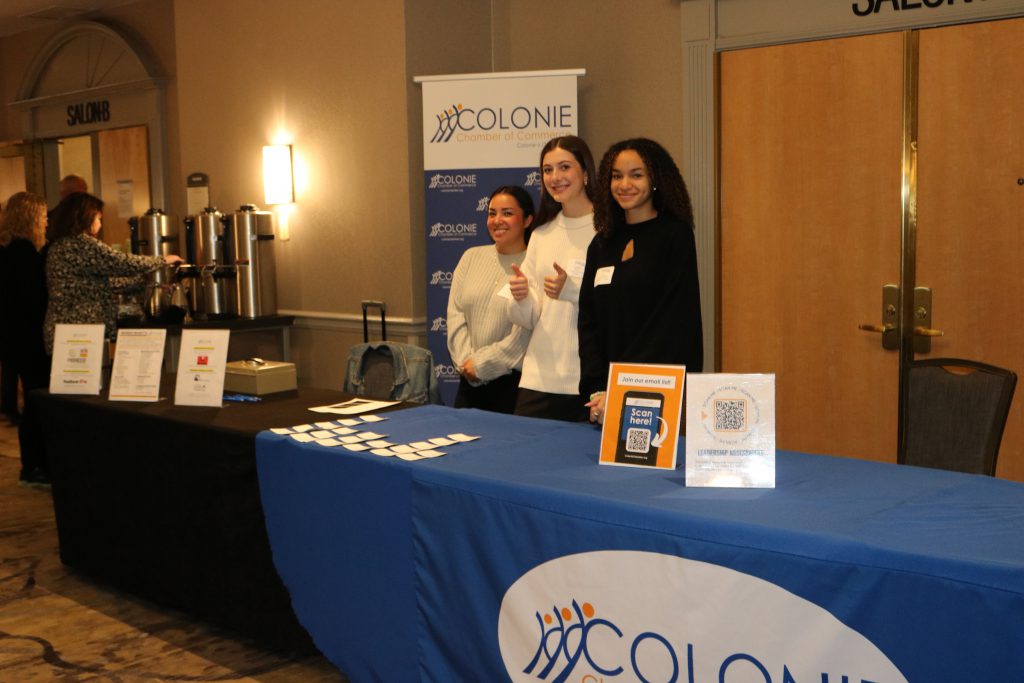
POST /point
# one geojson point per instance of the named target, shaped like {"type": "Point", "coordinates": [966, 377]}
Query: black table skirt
{"type": "Point", "coordinates": [163, 501]}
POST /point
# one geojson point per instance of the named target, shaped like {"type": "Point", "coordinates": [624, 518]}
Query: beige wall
{"type": "Point", "coordinates": [632, 53]}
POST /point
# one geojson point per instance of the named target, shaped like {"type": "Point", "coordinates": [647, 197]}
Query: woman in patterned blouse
{"type": "Point", "coordinates": [79, 267]}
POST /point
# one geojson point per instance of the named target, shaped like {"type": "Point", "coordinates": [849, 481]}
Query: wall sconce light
{"type": "Point", "coordinates": [278, 186]}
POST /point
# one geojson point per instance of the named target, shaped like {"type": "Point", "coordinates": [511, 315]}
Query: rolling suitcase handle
{"type": "Point", "coordinates": [370, 303]}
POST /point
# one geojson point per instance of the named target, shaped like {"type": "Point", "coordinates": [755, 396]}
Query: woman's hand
{"type": "Point", "coordinates": [468, 370]}
{"type": "Point", "coordinates": [518, 285]}
{"type": "Point", "coordinates": [171, 259]}
{"type": "Point", "coordinates": [553, 283]}
{"type": "Point", "coordinates": [596, 405]}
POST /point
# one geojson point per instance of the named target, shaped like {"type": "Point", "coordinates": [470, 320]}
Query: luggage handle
{"type": "Point", "coordinates": [372, 303]}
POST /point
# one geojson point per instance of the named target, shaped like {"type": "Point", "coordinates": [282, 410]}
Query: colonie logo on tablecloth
{"type": "Point", "coordinates": [650, 617]}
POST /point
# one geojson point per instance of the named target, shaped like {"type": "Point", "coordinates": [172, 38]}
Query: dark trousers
{"type": "Point", "coordinates": [35, 374]}
{"type": "Point", "coordinates": [498, 395]}
{"type": "Point", "coordinates": [565, 407]}
{"type": "Point", "coordinates": [8, 389]}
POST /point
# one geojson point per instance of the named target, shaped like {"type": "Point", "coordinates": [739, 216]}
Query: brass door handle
{"type": "Point", "coordinates": [875, 328]}
{"type": "Point", "coordinates": [928, 332]}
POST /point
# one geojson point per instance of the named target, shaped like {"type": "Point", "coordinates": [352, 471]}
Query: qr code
{"type": "Point", "coordinates": [730, 415]}
{"type": "Point", "coordinates": [638, 440]}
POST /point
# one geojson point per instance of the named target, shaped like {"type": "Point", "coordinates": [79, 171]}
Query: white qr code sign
{"type": "Point", "coordinates": [730, 430]}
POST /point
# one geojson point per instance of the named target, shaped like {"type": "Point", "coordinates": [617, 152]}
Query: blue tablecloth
{"type": "Point", "coordinates": [399, 569]}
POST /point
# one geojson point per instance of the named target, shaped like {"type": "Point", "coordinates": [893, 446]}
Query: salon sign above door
{"type": "Point", "coordinates": [746, 23]}
{"type": "Point", "coordinates": [95, 111]}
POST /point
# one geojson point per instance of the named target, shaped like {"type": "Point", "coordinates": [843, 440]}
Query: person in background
{"type": "Point", "coordinates": [22, 309]}
{"type": "Point", "coordinates": [640, 297]}
{"type": "Point", "coordinates": [79, 267]}
{"type": "Point", "coordinates": [72, 183]}
{"type": "Point", "coordinates": [545, 288]}
{"type": "Point", "coordinates": [8, 377]}
{"type": "Point", "coordinates": [484, 345]}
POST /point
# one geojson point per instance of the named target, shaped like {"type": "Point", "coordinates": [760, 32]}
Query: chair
{"type": "Point", "coordinates": [391, 371]}
{"type": "Point", "coordinates": [956, 413]}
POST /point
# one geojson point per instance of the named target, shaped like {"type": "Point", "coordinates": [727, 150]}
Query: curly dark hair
{"type": "Point", "coordinates": [74, 215]}
{"type": "Point", "coordinates": [576, 146]}
{"type": "Point", "coordinates": [525, 202]}
{"type": "Point", "coordinates": [670, 195]}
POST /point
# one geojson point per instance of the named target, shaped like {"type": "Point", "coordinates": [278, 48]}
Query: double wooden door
{"type": "Point", "coordinates": [814, 199]}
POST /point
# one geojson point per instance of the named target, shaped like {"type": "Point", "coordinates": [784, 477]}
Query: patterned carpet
{"type": "Point", "coordinates": [56, 625]}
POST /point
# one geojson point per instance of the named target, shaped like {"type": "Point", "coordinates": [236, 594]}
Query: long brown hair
{"type": "Point", "coordinates": [74, 215]}
{"type": "Point", "coordinates": [20, 218]}
{"type": "Point", "coordinates": [549, 208]}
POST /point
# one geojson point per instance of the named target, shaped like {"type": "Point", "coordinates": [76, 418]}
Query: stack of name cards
{"type": "Point", "coordinates": [352, 434]}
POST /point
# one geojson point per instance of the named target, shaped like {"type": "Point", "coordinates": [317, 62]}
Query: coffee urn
{"type": "Point", "coordinates": [252, 235]}
{"type": "Point", "coordinates": [213, 295]}
{"type": "Point", "coordinates": [155, 234]}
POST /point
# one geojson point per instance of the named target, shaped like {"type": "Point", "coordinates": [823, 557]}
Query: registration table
{"type": "Point", "coordinates": [517, 557]}
{"type": "Point", "coordinates": [163, 501]}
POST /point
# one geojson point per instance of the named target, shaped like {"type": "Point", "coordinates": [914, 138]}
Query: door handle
{"type": "Point", "coordinates": [890, 302]}
{"type": "Point", "coordinates": [889, 329]}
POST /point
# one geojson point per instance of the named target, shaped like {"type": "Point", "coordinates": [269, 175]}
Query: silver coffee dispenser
{"type": "Point", "coordinates": [252, 235]}
{"type": "Point", "coordinates": [155, 234]}
{"type": "Point", "coordinates": [213, 294]}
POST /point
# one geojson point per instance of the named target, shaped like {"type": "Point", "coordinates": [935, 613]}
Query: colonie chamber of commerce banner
{"type": "Point", "coordinates": [480, 131]}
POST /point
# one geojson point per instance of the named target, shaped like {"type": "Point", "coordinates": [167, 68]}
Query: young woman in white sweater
{"type": "Point", "coordinates": [546, 286]}
{"type": "Point", "coordinates": [484, 345]}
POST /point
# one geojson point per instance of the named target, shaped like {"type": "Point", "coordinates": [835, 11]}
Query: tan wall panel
{"type": "Point", "coordinates": [810, 225]}
{"type": "Point", "coordinates": [632, 54]}
{"type": "Point", "coordinates": [970, 205]}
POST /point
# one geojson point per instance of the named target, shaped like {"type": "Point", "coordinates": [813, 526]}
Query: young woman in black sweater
{"type": "Point", "coordinates": [640, 297]}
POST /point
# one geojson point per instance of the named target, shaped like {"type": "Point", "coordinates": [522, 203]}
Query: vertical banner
{"type": "Point", "coordinates": [480, 131]}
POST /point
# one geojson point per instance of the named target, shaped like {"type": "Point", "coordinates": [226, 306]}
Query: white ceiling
{"type": "Point", "coordinates": [15, 15]}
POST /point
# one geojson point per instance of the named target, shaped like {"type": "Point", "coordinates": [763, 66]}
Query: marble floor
{"type": "Point", "coordinates": [56, 625]}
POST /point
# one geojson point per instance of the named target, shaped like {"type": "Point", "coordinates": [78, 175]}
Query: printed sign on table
{"type": "Point", "coordinates": [138, 363]}
{"type": "Point", "coordinates": [201, 365]}
{"type": "Point", "coordinates": [730, 431]}
{"type": "Point", "coordinates": [642, 413]}
{"type": "Point", "coordinates": [77, 365]}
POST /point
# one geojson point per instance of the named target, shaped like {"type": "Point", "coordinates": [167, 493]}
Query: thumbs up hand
{"type": "Point", "coordinates": [518, 285]}
{"type": "Point", "coordinates": [553, 283]}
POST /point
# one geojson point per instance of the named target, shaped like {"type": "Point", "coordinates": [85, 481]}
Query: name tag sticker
{"type": "Point", "coordinates": [576, 267]}
{"type": "Point", "coordinates": [504, 292]}
{"type": "Point", "coordinates": [603, 276]}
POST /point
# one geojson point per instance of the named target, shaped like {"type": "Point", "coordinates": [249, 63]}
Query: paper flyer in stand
{"type": "Point", "coordinates": [201, 366]}
{"type": "Point", "coordinates": [642, 414]}
{"type": "Point", "coordinates": [730, 430]}
{"type": "Point", "coordinates": [77, 365]}
{"type": "Point", "coordinates": [138, 364]}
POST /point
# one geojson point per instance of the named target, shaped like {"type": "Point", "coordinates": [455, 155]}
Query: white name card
{"type": "Point", "coordinates": [138, 363]}
{"type": "Point", "coordinates": [201, 365]}
{"type": "Point", "coordinates": [77, 364]}
{"type": "Point", "coordinates": [730, 430]}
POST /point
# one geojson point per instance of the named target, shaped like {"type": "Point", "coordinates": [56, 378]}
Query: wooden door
{"type": "Point", "coordinates": [810, 159]}
{"type": "Point", "coordinates": [970, 244]}
{"type": "Point", "coordinates": [124, 179]}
